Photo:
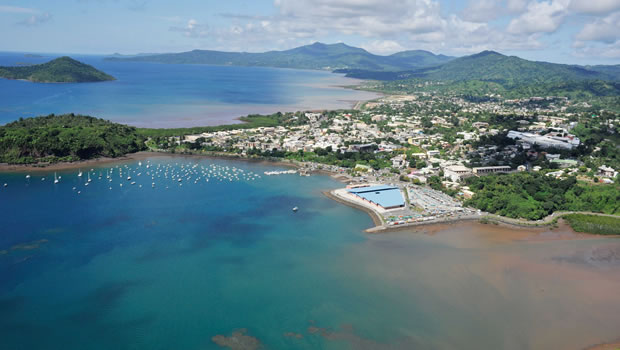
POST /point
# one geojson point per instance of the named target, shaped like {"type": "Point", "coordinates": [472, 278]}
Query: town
{"type": "Point", "coordinates": [428, 145]}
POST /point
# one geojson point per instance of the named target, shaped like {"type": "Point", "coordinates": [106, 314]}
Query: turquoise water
{"type": "Point", "coordinates": [160, 95]}
{"type": "Point", "coordinates": [172, 266]}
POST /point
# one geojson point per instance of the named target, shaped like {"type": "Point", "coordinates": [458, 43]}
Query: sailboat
{"type": "Point", "coordinates": [55, 179]}
{"type": "Point", "coordinates": [80, 173]}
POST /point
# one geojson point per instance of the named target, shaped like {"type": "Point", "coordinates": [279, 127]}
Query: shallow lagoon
{"type": "Point", "coordinates": [170, 268]}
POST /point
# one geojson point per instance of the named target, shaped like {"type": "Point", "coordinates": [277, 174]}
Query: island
{"type": "Point", "coordinates": [60, 70]}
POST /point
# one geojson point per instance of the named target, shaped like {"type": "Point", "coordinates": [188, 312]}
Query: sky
{"type": "Point", "coordinates": [562, 31]}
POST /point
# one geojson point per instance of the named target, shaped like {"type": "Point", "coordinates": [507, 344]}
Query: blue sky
{"type": "Point", "coordinates": [566, 31]}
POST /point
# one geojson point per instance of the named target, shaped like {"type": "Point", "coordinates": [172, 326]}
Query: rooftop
{"type": "Point", "coordinates": [384, 196]}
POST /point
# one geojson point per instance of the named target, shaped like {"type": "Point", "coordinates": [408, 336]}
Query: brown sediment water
{"type": "Point", "coordinates": [521, 288]}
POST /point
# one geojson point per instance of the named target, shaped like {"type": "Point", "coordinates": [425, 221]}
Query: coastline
{"type": "Point", "coordinates": [41, 167]}
{"type": "Point", "coordinates": [550, 221]}
{"type": "Point", "coordinates": [376, 217]}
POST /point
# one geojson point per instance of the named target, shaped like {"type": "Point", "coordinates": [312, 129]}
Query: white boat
{"type": "Point", "coordinates": [295, 209]}
{"type": "Point", "coordinates": [80, 173]}
{"type": "Point", "coordinates": [89, 180]}
{"type": "Point", "coordinates": [28, 176]}
{"type": "Point", "coordinates": [56, 179]}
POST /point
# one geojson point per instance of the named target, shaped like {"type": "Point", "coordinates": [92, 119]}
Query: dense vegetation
{"type": "Point", "coordinates": [315, 56]}
{"type": "Point", "coordinates": [533, 195]}
{"type": "Point", "coordinates": [490, 66]}
{"type": "Point", "coordinates": [61, 70]}
{"type": "Point", "coordinates": [66, 137]}
{"type": "Point", "coordinates": [602, 225]}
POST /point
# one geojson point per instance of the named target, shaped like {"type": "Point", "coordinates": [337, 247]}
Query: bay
{"type": "Point", "coordinates": [174, 265]}
{"type": "Point", "coordinates": [162, 95]}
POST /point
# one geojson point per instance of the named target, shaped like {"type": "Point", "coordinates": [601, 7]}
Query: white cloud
{"type": "Point", "coordinates": [594, 6]}
{"type": "Point", "coordinates": [605, 29]}
{"type": "Point", "coordinates": [363, 17]}
{"type": "Point", "coordinates": [402, 24]}
{"type": "Point", "coordinates": [540, 17]}
{"type": "Point", "coordinates": [611, 51]}
{"type": "Point", "coordinates": [15, 9]}
{"type": "Point", "coordinates": [516, 6]}
{"type": "Point", "coordinates": [192, 29]}
{"type": "Point", "coordinates": [35, 20]}
{"type": "Point", "coordinates": [383, 47]}
{"type": "Point", "coordinates": [482, 10]}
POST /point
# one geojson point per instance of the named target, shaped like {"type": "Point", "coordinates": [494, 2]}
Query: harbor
{"type": "Point", "coordinates": [403, 205]}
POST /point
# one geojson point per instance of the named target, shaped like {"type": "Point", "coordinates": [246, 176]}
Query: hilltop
{"type": "Point", "coordinates": [315, 56]}
{"type": "Point", "coordinates": [60, 70]}
{"type": "Point", "coordinates": [491, 66]}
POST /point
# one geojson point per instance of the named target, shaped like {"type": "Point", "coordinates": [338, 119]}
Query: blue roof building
{"type": "Point", "coordinates": [387, 197]}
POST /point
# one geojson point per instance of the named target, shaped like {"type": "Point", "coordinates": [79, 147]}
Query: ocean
{"type": "Point", "coordinates": [170, 95]}
{"type": "Point", "coordinates": [169, 264]}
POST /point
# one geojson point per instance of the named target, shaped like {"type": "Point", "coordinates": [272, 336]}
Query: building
{"type": "Point", "coordinates": [551, 140]}
{"type": "Point", "coordinates": [606, 171]}
{"type": "Point", "coordinates": [386, 197]}
{"type": "Point", "coordinates": [399, 161]}
{"type": "Point", "coordinates": [485, 170]}
{"type": "Point", "coordinates": [456, 173]}
{"type": "Point", "coordinates": [432, 153]}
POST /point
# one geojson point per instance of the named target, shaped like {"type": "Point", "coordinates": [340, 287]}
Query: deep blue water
{"type": "Point", "coordinates": [172, 266]}
{"type": "Point", "coordinates": [160, 95]}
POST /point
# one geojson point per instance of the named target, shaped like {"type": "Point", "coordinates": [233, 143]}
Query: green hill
{"type": "Point", "coordinates": [490, 66]}
{"type": "Point", "coordinates": [60, 70]}
{"type": "Point", "coordinates": [66, 137]}
{"type": "Point", "coordinates": [495, 67]}
{"type": "Point", "coordinates": [315, 56]}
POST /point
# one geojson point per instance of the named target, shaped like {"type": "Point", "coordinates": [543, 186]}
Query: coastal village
{"type": "Point", "coordinates": [400, 155]}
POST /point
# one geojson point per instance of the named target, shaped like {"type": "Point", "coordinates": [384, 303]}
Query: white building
{"type": "Point", "coordinates": [456, 173]}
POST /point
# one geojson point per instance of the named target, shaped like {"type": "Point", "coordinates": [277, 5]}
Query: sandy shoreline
{"type": "Point", "coordinates": [126, 158]}
{"type": "Point", "coordinates": [74, 165]}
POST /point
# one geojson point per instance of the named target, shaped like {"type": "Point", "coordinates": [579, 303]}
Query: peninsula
{"type": "Point", "coordinates": [60, 70]}
{"type": "Point", "coordinates": [65, 138]}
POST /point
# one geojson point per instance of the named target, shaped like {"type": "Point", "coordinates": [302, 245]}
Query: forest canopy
{"type": "Point", "coordinates": [67, 137]}
{"type": "Point", "coordinates": [61, 70]}
{"type": "Point", "coordinates": [533, 195]}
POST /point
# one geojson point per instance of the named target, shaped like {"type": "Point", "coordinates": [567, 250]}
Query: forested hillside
{"type": "Point", "coordinates": [61, 70]}
{"type": "Point", "coordinates": [66, 137]}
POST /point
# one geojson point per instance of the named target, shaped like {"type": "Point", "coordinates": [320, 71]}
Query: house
{"type": "Point", "coordinates": [432, 153]}
{"type": "Point", "coordinates": [456, 173]}
{"type": "Point", "coordinates": [399, 161]}
{"type": "Point", "coordinates": [492, 170]}
{"type": "Point", "coordinates": [606, 171]}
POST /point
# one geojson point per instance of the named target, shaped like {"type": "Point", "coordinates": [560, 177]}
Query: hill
{"type": "Point", "coordinates": [490, 66]}
{"type": "Point", "coordinates": [495, 67]}
{"type": "Point", "coordinates": [66, 137]}
{"type": "Point", "coordinates": [60, 70]}
{"type": "Point", "coordinates": [315, 56]}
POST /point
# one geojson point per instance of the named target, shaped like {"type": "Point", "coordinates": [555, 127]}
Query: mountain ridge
{"type": "Point", "coordinates": [314, 56]}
